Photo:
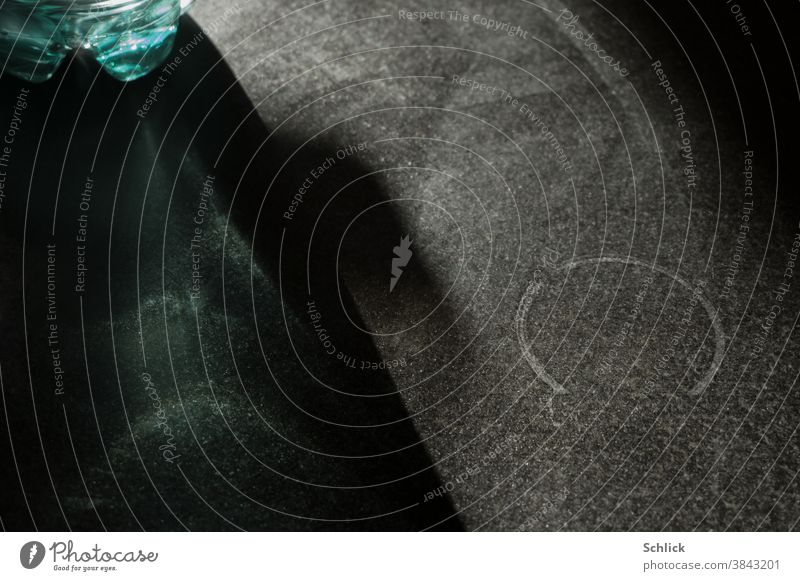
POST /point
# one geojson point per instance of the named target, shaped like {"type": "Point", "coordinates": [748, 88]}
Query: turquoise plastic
{"type": "Point", "coordinates": [129, 38]}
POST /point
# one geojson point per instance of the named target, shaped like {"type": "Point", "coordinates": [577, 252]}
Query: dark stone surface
{"type": "Point", "coordinates": [568, 353]}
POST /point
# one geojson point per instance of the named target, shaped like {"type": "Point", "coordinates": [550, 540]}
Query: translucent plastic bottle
{"type": "Point", "coordinates": [129, 38]}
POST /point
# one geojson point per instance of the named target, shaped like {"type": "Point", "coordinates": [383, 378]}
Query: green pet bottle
{"type": "Point", "coordinates": [129, 38]}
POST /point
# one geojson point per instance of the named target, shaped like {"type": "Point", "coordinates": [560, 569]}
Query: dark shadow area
{"type": "Point", "coordinates": [217, 422]}
{"type": "Point", "coordinates": [742, 54]}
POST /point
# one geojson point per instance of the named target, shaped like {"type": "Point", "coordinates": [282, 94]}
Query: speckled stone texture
{"type": "Point", "coordinates": [567, 347]}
